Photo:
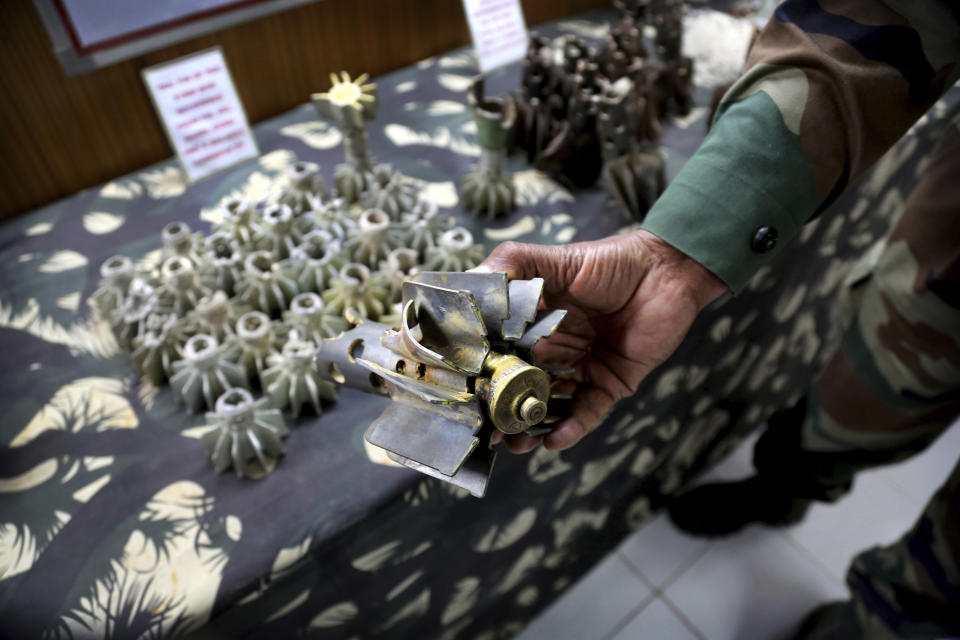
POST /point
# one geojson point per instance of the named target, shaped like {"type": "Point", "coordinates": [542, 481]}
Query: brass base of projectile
{"type": "Point", "coordinates": [515, 392]}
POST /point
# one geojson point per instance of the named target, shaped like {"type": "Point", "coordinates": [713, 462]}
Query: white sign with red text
{"type": "Point", "coordinates": [498, 30]}
{"type": "Point", "coordinates": [200, 109]}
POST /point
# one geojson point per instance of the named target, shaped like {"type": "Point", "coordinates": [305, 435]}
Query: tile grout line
{"type": "Point", "coordinates": [687, 622]}
{"type": "Point", "coordinates": [692, 560]}
{"type": "Point", "coordinates": [627, 619]}
{"type": "Point", "coordinates": [686, 564]}
{"type": "Point", "coordinates": [635, 570]}
{"type": "Point", "coordinates": [660, 591]}
{"type": "Point", "coordinates": [814, 559]}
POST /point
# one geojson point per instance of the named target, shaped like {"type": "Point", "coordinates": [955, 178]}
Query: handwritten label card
{"type": "Point", "coordinates": [201, 112]}
{"type": "Point", "coordinates": [499, 33]}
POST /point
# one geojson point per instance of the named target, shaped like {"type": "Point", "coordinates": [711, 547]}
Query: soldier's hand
{"type": "Point", "coordinates": [630, 300]}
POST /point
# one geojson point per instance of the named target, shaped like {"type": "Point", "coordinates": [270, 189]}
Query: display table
{"type": "Point", "coordinates": [114, 524]}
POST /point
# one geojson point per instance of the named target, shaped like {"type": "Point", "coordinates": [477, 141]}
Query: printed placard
{"type": "Point", "coordinates": [498, 30]}
{"type": "Point", "coordinates": [201, 112]}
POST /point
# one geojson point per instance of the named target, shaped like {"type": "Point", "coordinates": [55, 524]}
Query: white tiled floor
{"type": "Point", "coordinates": [758, 584]}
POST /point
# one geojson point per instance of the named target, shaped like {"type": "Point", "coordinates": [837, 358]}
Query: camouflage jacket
{"type": "Point", "coordinates": [828, 87]}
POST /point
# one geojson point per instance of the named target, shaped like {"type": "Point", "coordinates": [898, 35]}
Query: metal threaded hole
{"type": "Point", "coordinates": [356, 272]}
{"type": "Point", "coordinates": [177, 265]}
{"type": "Point", "coordinates": [277, 213]}
{"type": "Point", "coordinates": [233, 398]}
{"type": "Point", "coordinates": [306, 301]}
{"type": "Point", "coordinates": [200, 345]}
{"type": "Point", "coordinates": [262, 261]}
{"type": "Point", "coordinates": [355, 350]}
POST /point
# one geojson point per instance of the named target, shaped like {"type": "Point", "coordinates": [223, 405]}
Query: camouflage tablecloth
{"type": "Point", "coordinates": [113, 523]}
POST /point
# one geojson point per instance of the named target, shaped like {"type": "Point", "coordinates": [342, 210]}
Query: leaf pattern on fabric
{"type": "Point", "coordinates": [669, 429]}
{"type": "Point", "coordinates": [87, 337]}
{"type": "Point", "coordinates": [63, 260]}
{"type": "Point", "coordinates": [500, 537]}
{"type": "Point", "coordinates": [701, 433]}
{"type": "Point", "coordinates": [789, 303]}
{"type": "Point", "coordinates": [696, 376]}
{"type": "Point", "coordinates": [277, 161]}
{"type": "Point", "coordinates": [289, 556]}
{"type": "Point", "coordinates": [443, 193]}
{"type": "Point", "coordinates": [335, 616]}
{"type": "Point", "coordinates": [102, 222]}
{"type": "Point", "coordinates": [628, 426]}
{"type": "Point", "coordinates": [720, 330]}
{"type": "Point", "coordinates": [524, 564]}
{"type": "Point", "coordinates": [465, 59]}
{"type": "Point", "coordinates": [143, 590]}
{"type": "Point", "coordinates": [375, 559]}
{"type": "Point", "coordinates": [596, 471]}
{"type": "Point", "coordinates": [638, 513]}
{"type": "Point", "coordinates": [419, 493]}
{"type": "Point", "coordinates": [124, 189]}
{"type": "Point", "coordinates": [545, 465]}
{"type": "Point", "coordinates": [234, 527]}
{"type": "Point", "coordinates": [315, 133]}
{"type": "Point", "coordinates": [164, 182]}
{"type": "Point", "coordinates": [29, 479]}
{"type": "Point", "coordinates": [669, 383]}
{"type": "Point", "coordinates": [521, 227]}
{"type": "Point", "coordinates": [565, 235]}
{"type": "Point", "coordinates": [643, 462]}
{"type": "Point", "coordinates": [69, 302]}
{"type": "Point", "coordinates": [746, 365]}
{"type": "Point", "coordinates": [416, 606]}
{"type": "Point", "coordinates": [464, 597]}
{"type": "Point", "coordinates": [94, 404]}
{"type": "Point", "coordinates": [768, 365]}
{"type": "Point", "coordinates": [445, 108]}
{"type": "Point", "coordinates": [404, 584]}
{"type": "Point", "coordinates": [413, 553]}
{"type": "Point", "coordinates": [762, 280]}
{"type": "Point", "coordinates": [454, 82]}
{"type": "Point", "coordinates": [534, 186]}
{"type": "Point", "coordinates": [294, 603]}
{"type": "Point", "coordinates": [84, 494]}
{"type": "Point", "coordinates": [452, 632]}
{"type": "Point", "coordinates": [403, 136]}
{"type": "Point", "coordinates": [566, 529]}
{"type": "Point", "coordinates": [528, 596]}
{"type": "Point", "coordinates": [804, 343]}
{"type": "Point", "coordinates": [18, 549]}
{"type": "Point", "coordinates": [39, 229]}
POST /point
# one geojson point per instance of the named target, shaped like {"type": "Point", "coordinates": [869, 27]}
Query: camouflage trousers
{"type": "Point", "coordinates": [888, 391]}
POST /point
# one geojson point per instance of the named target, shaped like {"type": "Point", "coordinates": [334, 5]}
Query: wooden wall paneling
{"type": "Point", "coordinates": [59, 134]}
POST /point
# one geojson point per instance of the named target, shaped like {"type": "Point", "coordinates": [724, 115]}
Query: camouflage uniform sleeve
{"type": "Point", "coordinates": [828, 87]}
